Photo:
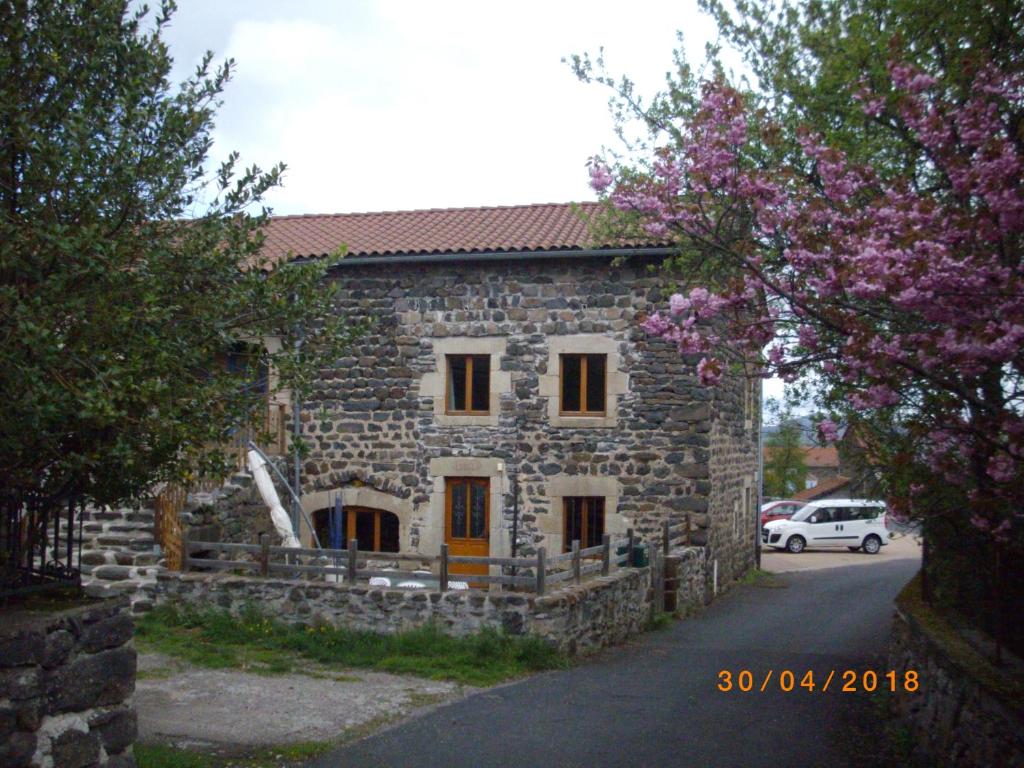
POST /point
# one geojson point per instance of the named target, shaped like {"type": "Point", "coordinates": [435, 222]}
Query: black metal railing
{"type": "Point", "coordinates": [40, 544]}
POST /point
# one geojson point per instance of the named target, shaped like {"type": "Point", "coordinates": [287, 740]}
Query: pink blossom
{"type": "Point", "coordinates": [828, 431]}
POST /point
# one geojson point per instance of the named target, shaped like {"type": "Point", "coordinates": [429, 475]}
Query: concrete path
{"type": "Point", "coordinates": [656, 702]}
{"type": "Point", "coordinates": [224, 709]}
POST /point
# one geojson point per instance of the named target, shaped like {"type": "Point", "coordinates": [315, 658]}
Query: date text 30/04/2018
{"type": "Point", "coordinates": [846, 681]}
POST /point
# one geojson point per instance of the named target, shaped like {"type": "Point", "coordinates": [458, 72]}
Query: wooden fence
{"type": "Point", "coordinates": [354, 565]}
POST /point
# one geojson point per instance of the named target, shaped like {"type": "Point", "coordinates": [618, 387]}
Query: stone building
{"type": "Point", "coordinates": [505, 386]}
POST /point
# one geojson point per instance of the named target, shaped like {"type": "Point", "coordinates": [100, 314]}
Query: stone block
{"type": "Point", "coordinates": [117, 728]}
{"type": "Point", "coordinates": [75, 749]}
{"type": "Point", "coordinates": [16, 750]}
{"type": "Point", "coordinates": [23, 649]}
{"type": "Point", "coordinates": [97, 679]}
{"type": "Point", "coordinates": [19, 684]}
{"type": "Point", "coordinates": [57, 648]}
{"type": "Point", "coordinates": [110, 632]}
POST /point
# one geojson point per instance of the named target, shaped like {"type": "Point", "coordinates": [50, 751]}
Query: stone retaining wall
{"type": "Point", "coordinates": [954, 719]}
{"type": "Point", "coordinates": [599, 612]}
{"type": "Point", "coordinates": [66, 680]}
{"type": "Point", "coordinates": [686, 578]}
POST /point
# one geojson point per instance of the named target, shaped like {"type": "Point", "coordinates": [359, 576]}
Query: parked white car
{"type": "Point", "coordinates": [851, 523]}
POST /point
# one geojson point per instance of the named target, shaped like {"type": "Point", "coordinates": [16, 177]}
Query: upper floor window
{"type": "Point", "coordinates": [583, 382]}
{"type": "Point", "coordinates": [469, 384]}
{"type": "Point", "coordinates": [584, 521]}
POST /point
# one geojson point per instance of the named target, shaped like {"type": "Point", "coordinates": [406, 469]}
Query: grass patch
{"type": "Point", "coordinates": [658, 620]}
{"type": "Point", "coordinates": [164, 756]}
{"type": "Point", "coordinates": [756, 577]}
{"type": "Point", "coordinates": [256, 642]}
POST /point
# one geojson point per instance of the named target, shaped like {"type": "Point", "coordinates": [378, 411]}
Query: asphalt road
{"type": "Point", "coordinates": [655, 701]}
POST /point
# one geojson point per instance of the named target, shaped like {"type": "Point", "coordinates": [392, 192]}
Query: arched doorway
{"type": "Point", "coordinates": [376, 530]}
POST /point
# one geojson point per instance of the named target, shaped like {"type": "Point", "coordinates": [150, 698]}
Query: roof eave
{"type": "Point", "coordinates": [520, 255]}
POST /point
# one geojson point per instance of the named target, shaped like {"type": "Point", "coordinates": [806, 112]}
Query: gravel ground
{"type": "Point", "coordinates": [187, 706]}
{"type": "Point", "coordinates": [902, 546]}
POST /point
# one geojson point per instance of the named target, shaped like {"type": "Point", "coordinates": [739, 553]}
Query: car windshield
{"type": "Point", "coordinates": [803, 513]}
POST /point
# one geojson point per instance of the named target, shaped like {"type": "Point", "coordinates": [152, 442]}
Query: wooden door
{"type": "Point", "coordinates": [467, 520]}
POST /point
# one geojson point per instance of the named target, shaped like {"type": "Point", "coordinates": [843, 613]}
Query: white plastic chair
{"type": "Point", "coordinates": [458, 585]}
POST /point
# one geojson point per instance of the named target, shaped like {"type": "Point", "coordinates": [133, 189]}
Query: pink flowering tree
{"type": "Point", "coordinates": [900, 296]}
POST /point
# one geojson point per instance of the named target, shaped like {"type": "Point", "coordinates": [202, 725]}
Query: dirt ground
{"type": "Point", "coordinates": [901, 546]}
{"type": "Point", "coordinates": [228, 710]}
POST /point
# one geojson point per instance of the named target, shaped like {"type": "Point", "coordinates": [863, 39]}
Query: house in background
{"type": "Point", "coordinates": [505, 397]}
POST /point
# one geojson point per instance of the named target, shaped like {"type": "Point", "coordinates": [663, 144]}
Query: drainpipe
{"type": "Point", "coordinates": [760, 472]}
{"type": "Point", "coordinates": [296, 434]}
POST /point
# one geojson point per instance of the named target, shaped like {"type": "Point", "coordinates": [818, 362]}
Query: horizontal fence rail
{"type": "Point", "coordinates": [352, 564]}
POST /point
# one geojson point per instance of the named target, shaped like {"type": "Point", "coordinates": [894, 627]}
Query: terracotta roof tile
{"type": "Point", "coordinates": [552, 226]}
{"type": "Point", "coordinates": [813, 457]}
{"type": "Point", "coordinates": [825, 486]}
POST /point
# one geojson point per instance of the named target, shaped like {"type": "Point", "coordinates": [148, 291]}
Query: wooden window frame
{"type": "Point", "coordinates": [352, 512]}
{"type": "Point", "coordinates": [449, 482]}
{"type": "Point", "coordinates": [587, 500]}
{"type": "Point", "coordinates": [584, 364]}
{"type": "Point", "coordinates": [448, 410]}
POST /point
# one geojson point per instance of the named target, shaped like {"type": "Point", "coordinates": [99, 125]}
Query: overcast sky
{"type": "Point", "coordinates": [392, 105]}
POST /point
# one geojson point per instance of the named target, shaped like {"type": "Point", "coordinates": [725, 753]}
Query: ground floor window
{"type": "Point", "coordinates": [374, 529]}
{"type": "Point", "coordinates": [584, 521]}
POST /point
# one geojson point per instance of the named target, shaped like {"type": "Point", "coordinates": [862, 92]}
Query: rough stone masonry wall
{"type": "Point", "coordinates": [732, 509]}
{"type": "Point", "coordinates": [66, 680]}
{"type": "Point", "coordinates": [599, 612]}
{"type": "Point", "coordinates": [954, 720]}
{"type": "Point", "coordinates": [369, 421]}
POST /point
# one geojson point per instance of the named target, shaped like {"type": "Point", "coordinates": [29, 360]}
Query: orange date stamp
{"type": "Point", "coordinates": [845, 681]}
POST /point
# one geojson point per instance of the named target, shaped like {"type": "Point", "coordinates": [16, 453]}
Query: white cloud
{"type": "Point", "coordinates": [398, 104]}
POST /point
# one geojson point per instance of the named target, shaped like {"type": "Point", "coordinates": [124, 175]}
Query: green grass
{"type": "Point", "coordinates": [758, 578]}
{"type": "Point", "coordinates": [258, 643]}
{"type": "Point", "coordinates": [163, 756]}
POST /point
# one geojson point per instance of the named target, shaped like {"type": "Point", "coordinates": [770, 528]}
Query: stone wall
{"type": "Point", "coordinates": [673, 446]}
{"type": "Point", "coordinates": [954, 718]}
{"type": "Point", "coordinates": [686, 579]}
{"type": "Point", "coordinates": [732, 509]}
{"type": "Point", "coordinates": [233, 512]}
{"type": "Point", "coordinates": [599, 612]}
{"type": "Point", "coordinates": [66, 680]}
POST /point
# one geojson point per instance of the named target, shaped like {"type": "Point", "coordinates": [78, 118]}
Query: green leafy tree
{"type": "Point", "coordinates": [129, 271]}
{"type": "Point", "coordinates": [785, 470]}
{"type": "Point", "coordinates": [839, 75]}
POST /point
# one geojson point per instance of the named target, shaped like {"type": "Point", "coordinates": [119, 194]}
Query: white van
{"type": "Point", "coordinates": [851, 523]}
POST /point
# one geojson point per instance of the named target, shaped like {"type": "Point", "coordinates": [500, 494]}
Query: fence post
{"type": "Point", "coordinates": [606, 553]}
{"type": "Point", "coordinates": [185, 560]}
{"type": "Point", "coordinates": [576, 561]}
{"type": "Point", "coordinates": [629, 548]}
{"type": "Point", "coordinates": [444, 568]}
{"type": "Point", "coordinates": [542, 565]}
{"type": "Point", "coordinates": [687, 529]}
{"type": "Point", "coordinates": [658, 576]}
{"type": "Point", "coordinates": [664, 538]}
{"type": "Point", "coordinates": [353, 553]}
{"type": "Point", "coordinates": [264, 554]}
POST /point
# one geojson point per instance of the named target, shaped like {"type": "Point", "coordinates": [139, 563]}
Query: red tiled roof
{"type": "Point", "coordinates": [825, 486]}
{"type": "Point", "coordinates": [543, 227]}
{"type": "Point", "coordinates": [813, 457]}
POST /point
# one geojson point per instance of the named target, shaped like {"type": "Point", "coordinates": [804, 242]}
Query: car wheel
{"type": "Point", "coordinates": [872, 544]}
{"type": "Point", "coordinates": [796, 544]}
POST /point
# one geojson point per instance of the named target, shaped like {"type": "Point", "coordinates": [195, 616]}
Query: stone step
{"type": "Point", "coordinates": [137, 542]}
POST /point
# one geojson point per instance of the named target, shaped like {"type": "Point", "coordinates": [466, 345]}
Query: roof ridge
{"type": "Point", "coordinates": [406, 212]}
